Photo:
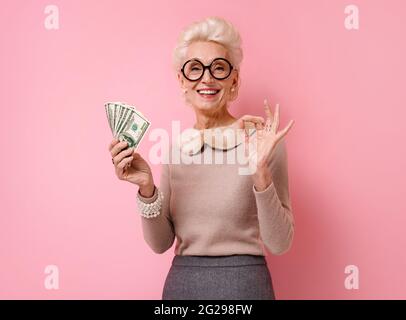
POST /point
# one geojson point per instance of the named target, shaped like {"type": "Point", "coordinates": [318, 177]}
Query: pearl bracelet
{"type": "Point", "coordinates": [153, 209]}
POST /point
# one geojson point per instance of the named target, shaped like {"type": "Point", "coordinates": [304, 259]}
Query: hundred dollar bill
{"type": "Point", "coordinates": [118, 115]}
{"type": "Point", "coordinates": [109, 115]}
{"type": "Point", "coordinates": [112, 114]}
{"type": "Point", "coordinates": [128, 116]}
{"type": "Point", "coordinates": [113, 120]}
{"type": "Point", "coordinates": [113, 111]}
{"type": "Point", "coordinates": [125, 116]}
{"type": "Point", "coordinates": [126, 123]}
{"type": "Point", "coordinates": [134, 130]}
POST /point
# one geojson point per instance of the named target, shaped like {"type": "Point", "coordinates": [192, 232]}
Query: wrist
{"type": "Point", "coordinates": [262, 179]}
{"type": "Point", "coordinates": [147, 191]}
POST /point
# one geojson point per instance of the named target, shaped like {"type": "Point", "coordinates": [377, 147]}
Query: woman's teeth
{"type": "Point", "coordinates": [208, 92]}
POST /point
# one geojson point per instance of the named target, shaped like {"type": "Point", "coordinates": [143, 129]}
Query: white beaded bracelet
{"type": "Point", "coordinates": [153, 209]}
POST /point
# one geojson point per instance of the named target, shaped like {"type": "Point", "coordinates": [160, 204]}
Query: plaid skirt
{"type": "Point", "coordinates": [235, 277]}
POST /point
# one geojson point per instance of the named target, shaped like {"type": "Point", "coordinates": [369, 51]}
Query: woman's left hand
{"type": "Point", "coordinates": [268, 137]}
{"type": "Point", "coordinates": [266, 140]}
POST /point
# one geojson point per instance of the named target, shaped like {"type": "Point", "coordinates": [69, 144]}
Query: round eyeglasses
{"type": "Point", "coordinates": [219, 68]}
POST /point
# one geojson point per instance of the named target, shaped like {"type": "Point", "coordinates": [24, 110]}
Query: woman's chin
{"type": "Point", "coordinates": [207, 105]}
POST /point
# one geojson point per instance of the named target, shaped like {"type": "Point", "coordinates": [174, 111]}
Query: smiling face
{"type": "Point", "coordinates": [206, 52]}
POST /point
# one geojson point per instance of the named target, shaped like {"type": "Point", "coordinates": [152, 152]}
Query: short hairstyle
{"type": "Point", "coordinates": [209, 29]}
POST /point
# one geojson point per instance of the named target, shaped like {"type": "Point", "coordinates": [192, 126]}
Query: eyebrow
{"type": "Point", "coordinates": [201, 60]}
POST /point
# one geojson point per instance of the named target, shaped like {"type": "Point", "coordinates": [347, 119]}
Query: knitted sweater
{"type": "Point", "coordinates": [212, 209]}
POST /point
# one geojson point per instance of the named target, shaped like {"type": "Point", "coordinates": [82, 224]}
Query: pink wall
{"type": "Point", "coordinates": [62, 205]}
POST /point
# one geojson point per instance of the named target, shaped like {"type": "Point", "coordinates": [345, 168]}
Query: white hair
{"type": "Point", "coordinates": [209, 29]}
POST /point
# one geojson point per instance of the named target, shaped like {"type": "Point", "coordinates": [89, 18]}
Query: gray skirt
{"type": "Point", "coordinates": [235, 277]}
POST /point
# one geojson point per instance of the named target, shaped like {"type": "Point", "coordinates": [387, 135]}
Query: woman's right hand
{"type": "Point", "coordinates": [130, 166]}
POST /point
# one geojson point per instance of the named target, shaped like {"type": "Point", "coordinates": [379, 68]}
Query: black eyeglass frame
{"type": "Point", "coordinates": [207, 67]}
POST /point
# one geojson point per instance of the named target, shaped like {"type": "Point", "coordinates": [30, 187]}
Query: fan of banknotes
{"type": "Point", "coordinates": [126, 123]}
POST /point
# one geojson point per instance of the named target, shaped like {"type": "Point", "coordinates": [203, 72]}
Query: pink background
{"type": "Point", "coordinates": [61, 203]}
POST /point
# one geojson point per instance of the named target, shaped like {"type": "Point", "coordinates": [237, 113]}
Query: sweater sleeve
{"type": "Point", "coordinates": [276, 223]}
{"type": "Point", "coordinates": [159, 231]}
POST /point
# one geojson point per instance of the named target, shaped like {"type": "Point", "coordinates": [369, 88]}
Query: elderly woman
{"type": "Point", "coordinates": [223, 221]}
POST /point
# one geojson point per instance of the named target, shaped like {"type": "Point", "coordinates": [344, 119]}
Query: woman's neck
{"type": "Point", "coordinates": [213, 120]}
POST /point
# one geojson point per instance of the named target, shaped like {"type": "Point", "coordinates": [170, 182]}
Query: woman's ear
{"type": "Point", "coordinates": [235, 86]}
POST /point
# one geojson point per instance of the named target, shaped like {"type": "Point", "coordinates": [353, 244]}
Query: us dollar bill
{"type": "Point", "coordinates": [134, 130]}
{"type": "Point", "coordinates": [126, 123]}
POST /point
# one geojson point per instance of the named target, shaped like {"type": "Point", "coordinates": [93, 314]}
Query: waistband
{"type": "Point", "coordinates": [218, 261]}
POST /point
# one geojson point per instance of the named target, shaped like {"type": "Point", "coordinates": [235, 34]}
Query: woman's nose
{"type": "Point", "coordinates": [207, 76]}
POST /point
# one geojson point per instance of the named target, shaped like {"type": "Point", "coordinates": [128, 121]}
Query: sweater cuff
{"type": "Point", "coordinates": [268, 194]}
{"type": "Point", "coordinates": [148, 200]}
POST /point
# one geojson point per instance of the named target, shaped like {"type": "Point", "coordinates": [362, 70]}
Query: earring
{"type": "Point", "coordinates": [184, 90]}
{"type": "Point", "coordinates": [232, 89]}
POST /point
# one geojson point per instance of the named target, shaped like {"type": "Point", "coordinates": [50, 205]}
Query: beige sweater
{"type": "Point", "coordinates": [213, 210]}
